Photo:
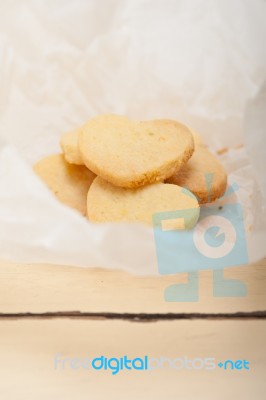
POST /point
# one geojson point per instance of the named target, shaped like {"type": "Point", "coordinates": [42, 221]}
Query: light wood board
{"type": "Point", "coordinates": [28, 348]}
{"type": "Point", "coordinates": [49, 288]}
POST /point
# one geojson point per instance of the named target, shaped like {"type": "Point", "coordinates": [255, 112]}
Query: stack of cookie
{"type": "Point", "coordinates": [113, 169]}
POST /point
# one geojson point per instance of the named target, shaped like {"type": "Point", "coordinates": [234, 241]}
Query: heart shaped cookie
{"type": "Point", "coordinates": [203, 175]}
{"type": "Point", "coordinates": [132, 154]}
{"type": "Point", "coordinates": [69, 146]}
{"type": "Point", "coordinates": [70, 183]}
{"type": "Point", "coordinates": [109, 203]}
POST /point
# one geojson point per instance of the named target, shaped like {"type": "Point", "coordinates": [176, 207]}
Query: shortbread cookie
{"type": "Point", "coordinates": [203, 175]}
{"type": "Point", "coordinates": [70, 183]}
{"type": "Point", "coordinates": [109, 203]}
{"type": "Point", "coordinates": [131, 154]}
{"type": "Point", "coordinates": [69, 146]}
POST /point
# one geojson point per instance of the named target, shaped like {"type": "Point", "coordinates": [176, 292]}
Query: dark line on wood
{"type": "Point", "coordinates": [143, 317]}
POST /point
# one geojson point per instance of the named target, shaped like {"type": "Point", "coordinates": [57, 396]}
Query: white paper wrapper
{"type": "Point", "coordinates": [201, 62]}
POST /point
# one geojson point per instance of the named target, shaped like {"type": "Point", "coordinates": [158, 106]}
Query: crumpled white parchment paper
{"type": "Point", "coordinates": [201, 62]}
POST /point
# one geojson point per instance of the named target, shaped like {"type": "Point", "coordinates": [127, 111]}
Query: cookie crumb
{"type": "Point", "coordinates": [222, 150]}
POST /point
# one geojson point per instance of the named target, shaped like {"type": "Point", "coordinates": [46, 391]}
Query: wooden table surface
{"type": "Point", "coordinates": [47, 310]}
